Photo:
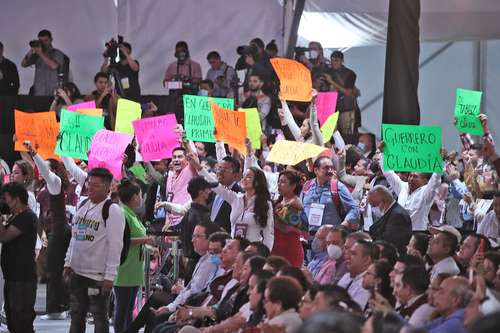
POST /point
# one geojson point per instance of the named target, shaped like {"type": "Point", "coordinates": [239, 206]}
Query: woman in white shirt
{"type": "Point", "coordinates": [252, 211]}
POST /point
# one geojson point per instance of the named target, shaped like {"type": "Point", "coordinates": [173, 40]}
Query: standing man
{"type": "Point", "coordinates": [94, 253]}
{"type": "Point", "coordinates": [343, 80]}
{"type": "Point", "coordinates": [105, 98]}
{"type": "Point", "coordinates": [255, 97]}
{"type": "Point", "coordinates": [9, 77]}
{"type": "Point", "coordinates": [49, 64]}
{"type": "Point", "coordinates": [223, 76]}
{"type": "Point", "coordinates": [126, 71]}
{"type": "Point", "coordinates": [18, 236]}
{"type": "Point", "coordinates": [183, 69]}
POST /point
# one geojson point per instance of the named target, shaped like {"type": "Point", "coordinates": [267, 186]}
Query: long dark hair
{"type": "Point", "coordinates": [262, 196]}
{"type": "Point", "coordinates": [382, 270]}
{"type": "Point", "coordinates": [60, 171]}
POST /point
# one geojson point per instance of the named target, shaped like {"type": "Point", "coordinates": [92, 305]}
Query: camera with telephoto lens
{"type": "Point", "coordinates": [300, 51]}
{"type": "Point", "coordinates": [35, 43]}
{"type": "Point", "coordinates": [112, 50]}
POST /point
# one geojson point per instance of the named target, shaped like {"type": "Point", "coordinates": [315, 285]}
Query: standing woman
{"type": "Point", "coordinates": [59, 233]}
{"type": "Point", "coordinates": [22, 173]}
{"type": "Point", "coordinates": [289, 219]}
{"type": "Point", "coordinates": [251, 212]}
{"type": "Point", "coordinates": [130, 275]}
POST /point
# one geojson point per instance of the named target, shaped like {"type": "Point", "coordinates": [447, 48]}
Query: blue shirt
{"type": "Point", "coordinates": [453, 323]}
{"type": "Point", "coordinates": [323, 195]}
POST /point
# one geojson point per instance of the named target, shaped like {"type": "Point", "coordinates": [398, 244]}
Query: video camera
{"type": "Point", "coordinates": [300, 51]}
{"type": "Point", "coordinates": [35, 43]}
{"type": "Point", "coordinates": [112, 50]}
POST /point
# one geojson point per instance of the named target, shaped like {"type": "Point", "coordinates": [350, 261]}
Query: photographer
{"type": "Point", "coordinates": [51, 65]}
{"type": "Point", "coordinates": [223, 76]}
{"type": "Point", "coordinates": [183, 69]}
{"type": "Point", "coordinates": [66, 95]}
{"type": "Point", "coordinates": [125, 71]}
{"type": "Point", "coordinates": [316, 62]}
{"type": "Point", "coordinates": [105, 98]}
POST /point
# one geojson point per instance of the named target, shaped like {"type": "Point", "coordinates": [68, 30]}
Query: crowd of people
{"type": "Point", "coordinates": [336, 243]}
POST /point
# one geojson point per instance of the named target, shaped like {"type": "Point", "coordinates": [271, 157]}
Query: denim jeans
{"type": "Point", "coordinates": [20, 305]}
{"type": "Point", "coordinates": [125, 298]}
{"type": "Point", "coordinates": [87, 295]}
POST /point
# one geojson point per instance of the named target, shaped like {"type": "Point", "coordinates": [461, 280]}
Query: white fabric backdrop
{"type": "Point", "coordinates": [79, 28]}
{"type": "Point", "coordinates": [364, 22]}
{"type": "Point", "coordinates": [153, 27]}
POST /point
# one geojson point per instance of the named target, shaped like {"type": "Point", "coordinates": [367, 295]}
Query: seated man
{"type": "Point", "coordinates": [452, 297]}
{"type": "Point", "coordinates": [441, 250]}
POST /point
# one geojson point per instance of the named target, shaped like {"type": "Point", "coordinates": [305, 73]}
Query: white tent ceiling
{"type": "Point", "coordinates": [350, 23]}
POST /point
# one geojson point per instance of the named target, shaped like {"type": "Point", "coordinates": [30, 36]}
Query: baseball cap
{"type": "Point", "coordinates": [447, 228]}
{"type": "Point", "coordinates": [197, 184]}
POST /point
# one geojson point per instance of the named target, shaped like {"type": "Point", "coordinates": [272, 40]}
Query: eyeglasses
{"type": "Point", "coordinates": [196, 236]}
{"type": "Point", "coordinates": [222, 170]}
{"type": "Point", "coordinates": [91, 184]}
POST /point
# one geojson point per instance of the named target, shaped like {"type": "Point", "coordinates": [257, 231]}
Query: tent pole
{"type": "Point", "coordinates": [297, 14]}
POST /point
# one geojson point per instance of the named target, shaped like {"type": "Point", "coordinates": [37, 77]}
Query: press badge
{"type": "Point", "coordinates": [125, 83]}
{"type": "Point", "coordinates": [316, 214]}
{"type": "Point", "coordinates": [81, 232]}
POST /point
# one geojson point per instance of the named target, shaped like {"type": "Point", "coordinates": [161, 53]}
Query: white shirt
{"type": "Point", "coordinates": [447, 265]}
{"type": "Point", "coordinates": [290, 318]}
{"type": "Point", "coordinates": [419, 202]}
{"type": "Point", "coordinates": [489, 227]}
{"type": "Point", "coordinates": [355, 289]}
{"type": "Point", "coordinates": [421, 315]}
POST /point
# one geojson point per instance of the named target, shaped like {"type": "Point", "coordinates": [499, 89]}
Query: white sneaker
{"type": "Point", "coordinates": [55, 316]}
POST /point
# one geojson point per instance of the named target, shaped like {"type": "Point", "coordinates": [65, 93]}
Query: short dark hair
{"type": "Point", "coordinates": [45, 33]}
{"type": "Point", "coordinates": [208, 82]}
{"type": "Point", "coordinates": [285, 290]}
{"type": "Point", "coordinates": [451, 241]}
{"type": "Point", "coordinates": [340, 229]}
{"type": "Point", "coordinates": [213, 55]}
{"type": "Point", "coordinates": [421, 242]}
{"type": "Point", "coordinates": [479, 237]}
{"type": "Point", "coordinates": [494, 257]}
{"type": "Point", "coordinates": [410, 260]}
{"type": "Point", "coordinates": [104, 174]}
{"type": "Point", "coordinates": [337, 297]}
{"type": "Point", "coordinates": [99, 75]}
{"type": "Point", "coordinates": [219, 237]}
{"type": "Point", "coordinates": [127, 189]}
{"type": "Point", "coordinates": [258, 42]}
{"type": "Point", "coordinates": [369, 249]}
{"type": "Point", "coordinates": [416, 277]}
{"type": "Point", "coordinates": [277, 263]}
{"type": "Point", "coordinates": [210, 228]}
{"type": "Point", "coordinates": [182, 44]}
{"type": "Point", "coordinates": [297, 274]}
{"type": "Point", "coordinates": [258, 75]}
{"type": "Point", "coordinates": [1, 45]}
{"type": "Point", "coordinates": [388, 252]}
{"type": "Point", "coordinates": [234, 162]}
{"type": "Point", "coordinates": [243, 243]}
{"type": "Point", "coordinates": [16, 190]}
{"type": "Point", "coordinates": [261, 248]}
{"type": "Point", "coordinates": [317, 162]}
{"type": "Point", "coordinates": [337, 54]}
{"type": "Point", "coordinates": [179, 149]}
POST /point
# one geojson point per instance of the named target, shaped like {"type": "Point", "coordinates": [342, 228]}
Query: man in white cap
{"type": "Point", "coordinates": [442, 247]}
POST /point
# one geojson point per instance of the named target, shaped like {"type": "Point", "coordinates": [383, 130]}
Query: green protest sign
{"type": "Point", "coordinates": [254, 130]}
{"type": "Point", "coordinates": [138, 170]}
{"type": "Point", "coordinates": [412, 148]}
{"type": "Point", "coordinates": [467, 109]}
{"type": "Point", "coordinates": [329, 126]}
{"type": "Point", "coordinates": [198, 120]}
{"type": "Point", "coordinates": [76, 133]}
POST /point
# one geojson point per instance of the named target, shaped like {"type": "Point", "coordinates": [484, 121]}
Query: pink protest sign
{"type": "Point", "coordinates": [106, 151]}
{"type": "Point", "coordinates": [84, 105]}
{"type": "Point", "coordinates": [326, 102]}
{"type": "Point", "coordinates": [156, 136]}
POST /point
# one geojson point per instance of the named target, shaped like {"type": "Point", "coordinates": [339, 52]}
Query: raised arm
{"type": "Point", "coordinates": [290, 121]}
{"type": "Point", "coordinates": [314, 124]}
{"type": "Point", "coordinates": [74, 170]}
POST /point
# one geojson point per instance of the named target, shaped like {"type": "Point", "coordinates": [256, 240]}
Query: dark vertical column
{"type": "Point", "coordinates": [401, 64]}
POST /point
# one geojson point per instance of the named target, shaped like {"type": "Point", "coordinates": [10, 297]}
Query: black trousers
{"type": "Point", "coordinates": [57, 292]}
{"type": "Point", "coordinates": [19, 305]}
{"type": "Point", "coordinates": [146, 317]}
{"type": "Point", "coordinates": [88, 296]}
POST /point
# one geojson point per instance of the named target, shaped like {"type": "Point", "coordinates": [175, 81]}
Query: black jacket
{"type": "Point", "coordinates": [194, 216]}
{"type": "Point", "coordinates": [394, 226]}
{"type": "Point", "coordinates": [223, 215]}
{"type": "Point", "coordinates": [9, 78]}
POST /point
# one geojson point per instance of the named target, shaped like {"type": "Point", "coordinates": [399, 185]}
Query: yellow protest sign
{"type": "Point", "coordinates": [254, 130]}
{"type": "Point", "coordinates": [329, 126]}
{"type": "Point", "coordinates": [126, 112]}
{"type": "Point", "coordinates": [295, 80]}
{"type": "Point", "coordinates": [91, 112]}
{"type": "Point", "coordinates": [41, 128]}
{"type": "Point", "coordinates": [293, 152]}
{"type": "Point", "coordinates": [230, 127]}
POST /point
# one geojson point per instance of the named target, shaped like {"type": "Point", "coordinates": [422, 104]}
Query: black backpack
{"type": "Point", "coordinates": [126, 231]}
